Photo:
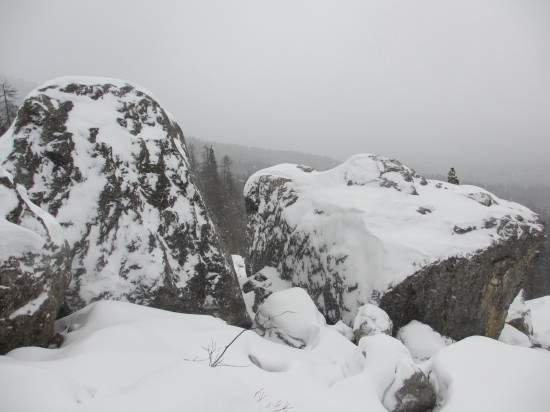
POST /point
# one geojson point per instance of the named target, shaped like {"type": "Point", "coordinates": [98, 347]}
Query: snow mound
{"type": "Point", "coordinates": [421, 340]}
{"type": "Point", "coordinates": [289, 316]}
{"type": "Point", "coordinates": [387, 369]}
{"type": "Point", "coordinates": [481, 374]}
{"type": "Point", "coordinates": [119, 356]}
{"type": "Point", "coordinates": [512, 336]}
{"type": "Point", "coordinates": [371, 320]}
{"type": "Point", "coordinates": [540, 318]}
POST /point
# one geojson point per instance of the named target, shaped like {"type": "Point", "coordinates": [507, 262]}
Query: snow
{"type": "Point", "coordinates": [421, 340]}
{"type": "Point", "coordinates": [30, 307]}
{"type": "Point", "coordinates": [240, 268]}
{"type": "Point", "coordinates": [367, 211]}
{"type": "Point", "coordinates": [481, 374]}
{"type": "Point", "coordinates": [28, 236]}
{"type": "Point", "coordinates": [372, 320]}
{"type": "Point", "coordinates": [512, 336]}
{"type": "Point", "coordinates": [290, 315]}
{"type": "Point", "coordinates": [540, 318]}
{"type": "Point", "coordinates": [55, 231]}
{"type": "Point", "coordinates": [119, 356]}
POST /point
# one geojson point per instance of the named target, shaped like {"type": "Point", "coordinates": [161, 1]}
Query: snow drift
{"type": "Point", "coordinates": [122, 357]}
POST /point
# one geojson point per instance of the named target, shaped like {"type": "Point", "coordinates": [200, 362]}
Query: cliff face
{"type": "Point", "coordinates": [110, 164]}
{"type": "Point", "coordinates": [374, 231]}
{"type": "Point", "coordinates": [35, 264]}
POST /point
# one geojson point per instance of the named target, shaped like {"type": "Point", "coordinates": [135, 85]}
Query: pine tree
{"type": "Point", "coordinates": [8, 108]}
{"type": "Point", "coordinates": [192, 156]}
{"type": "Point", "coordinates": [451, 177]}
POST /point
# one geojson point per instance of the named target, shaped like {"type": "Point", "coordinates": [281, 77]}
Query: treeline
{"type": "Point", "coordinates": [223, 194]}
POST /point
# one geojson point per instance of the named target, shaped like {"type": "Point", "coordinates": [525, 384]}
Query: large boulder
{"type": "Point", "coordinates": [35, 263]}
{"type": "Point", "coordinates": [374, 231]}
{"type": "Point", "coordinates": [105, 159]}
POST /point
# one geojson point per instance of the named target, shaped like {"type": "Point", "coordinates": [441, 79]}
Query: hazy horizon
{"type": "Point", "coordinates": [432, 83]}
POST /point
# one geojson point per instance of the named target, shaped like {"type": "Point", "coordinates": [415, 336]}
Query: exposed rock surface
{"type": "Point", "coordinates": [373, 231]}
{"type": "Point", "coordinates": [465, 296]}
{"type": "Point", "coordinates": [35, 267]}
{"type": "Point", "coordinates": [110, 164]}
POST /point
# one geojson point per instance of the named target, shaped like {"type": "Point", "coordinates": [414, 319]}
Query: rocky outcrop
{"type": "Point", "coordinates": [374, 231]}
{"type": "Point", "coordinates": [110, 164]}
{"type": "Point", "coordinates": [465, 296]}
{"type": "Point", "coordinates": [35, 271]}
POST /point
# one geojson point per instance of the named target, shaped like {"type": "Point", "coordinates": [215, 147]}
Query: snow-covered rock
{"type": "Point", "coordinates": [481, 374]}
{"type": "Point", "coordinates": [290, 317]}
{"type": "Point", "coordinates": [540, 318]}
{"type": "Point", "coordinates": [259, 286]}
{"type": "Point", "coordinates": [519, 316]}
{"type": "Point", "coordinates": [421, 340]}
{"type": "Point", "coordinates": [104, 158]}
{"type": "Point", "coordinates": [35, 269]}
{"type": "Point", "coordinates": [371, 320]}
{"type": "Point", "coordinates": [373, 231]}
{"type": "Point", "coordinates": [387, 368]}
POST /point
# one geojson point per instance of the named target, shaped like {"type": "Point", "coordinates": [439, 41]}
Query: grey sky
{"type": "Point", "coordinates": [433, 83]}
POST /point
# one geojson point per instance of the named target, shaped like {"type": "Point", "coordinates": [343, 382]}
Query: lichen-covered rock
{"type": "Point", "coordinates": [110, 164]}
{"type": "Point", "coordinates": [371, 320]}
{"type": "Point", "coordinates": [35, 264]}
{"type": "Point", "coordinates": [373, 231]}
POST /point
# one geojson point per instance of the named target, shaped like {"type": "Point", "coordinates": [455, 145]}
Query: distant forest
{"type": "Point", "coordinates": [222, 170]}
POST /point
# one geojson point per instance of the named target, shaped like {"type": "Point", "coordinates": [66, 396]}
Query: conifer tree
{"type": "Point", "coordinates": [8, 108]}
{"type": "Point", "coordinates": [451, 177]}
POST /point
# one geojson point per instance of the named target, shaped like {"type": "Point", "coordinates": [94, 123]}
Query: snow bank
{"type": "Point", "coordinates": [118, 356]}
{"type": "Point", "coordinates": [421, 340]}
{"type": "Point", "coordinates": [481, 374]}
{"type": "Point", "coordinates": [540, 318]}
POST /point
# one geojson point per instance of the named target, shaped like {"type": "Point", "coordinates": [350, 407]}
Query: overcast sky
{"type": "Point", "coordinates": [433, 83]}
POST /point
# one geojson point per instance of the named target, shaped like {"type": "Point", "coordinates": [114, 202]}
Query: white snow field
{"type": "Point", "coordinates": [123, 357]}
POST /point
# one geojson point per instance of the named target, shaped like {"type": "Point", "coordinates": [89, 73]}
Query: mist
{"type": "Point", "coordinates": [435, 84]}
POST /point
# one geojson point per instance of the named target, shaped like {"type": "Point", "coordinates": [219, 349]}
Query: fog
{"type": "Point", "coordinates": [433, 83]}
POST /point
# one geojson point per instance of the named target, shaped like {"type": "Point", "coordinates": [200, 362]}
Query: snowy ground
{"type": "Point", "coordinates": [122, 357]}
